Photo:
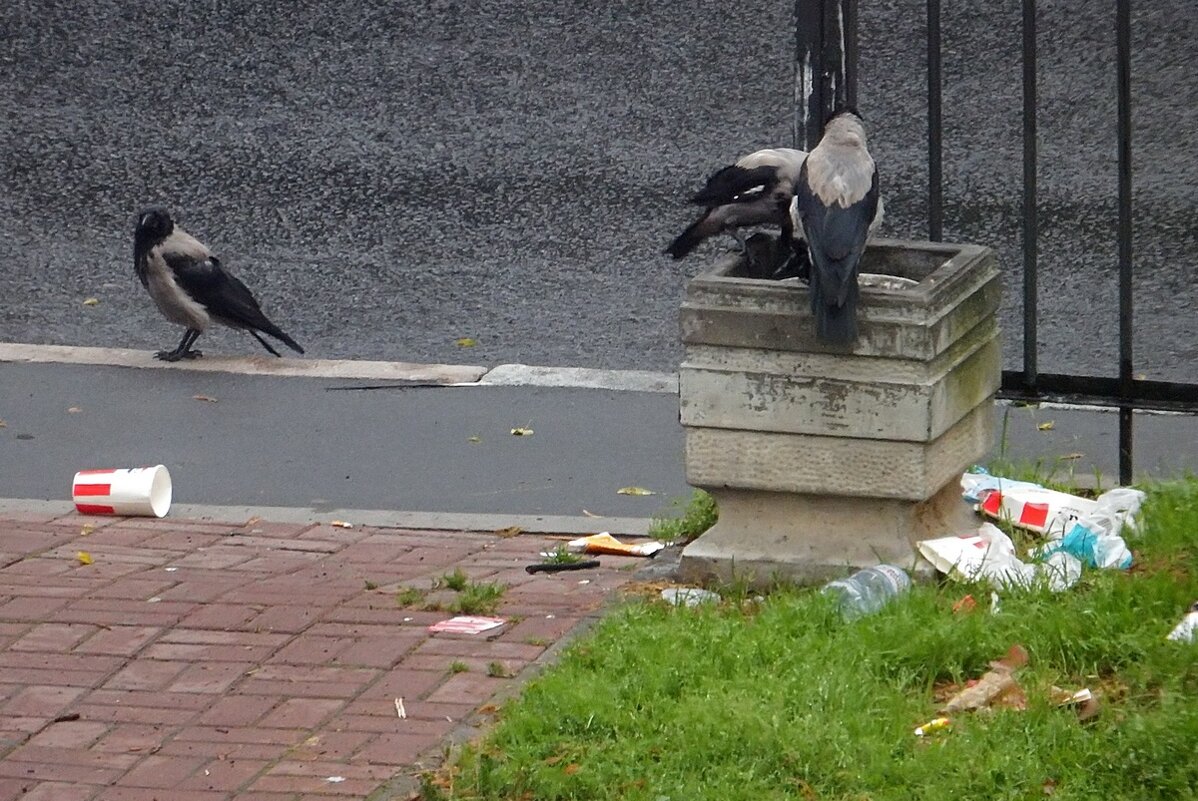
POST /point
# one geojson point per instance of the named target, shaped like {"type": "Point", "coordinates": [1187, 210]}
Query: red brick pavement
{"type": "Point", "coordinates": [198, 661]}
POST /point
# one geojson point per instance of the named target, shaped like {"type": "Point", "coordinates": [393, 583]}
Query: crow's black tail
{"type": "Point", "coordinates": [835, 324]}
{"type": "Point", "coordinates": [277, 333]}
{"type": "Point", "coordinates": [692, 237]}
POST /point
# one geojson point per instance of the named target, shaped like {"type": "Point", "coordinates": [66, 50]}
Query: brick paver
{"type": "Point", "coordinates": [205, 661]}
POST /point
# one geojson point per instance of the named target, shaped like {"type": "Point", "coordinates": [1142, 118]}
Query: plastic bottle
{"type": "Point", "coordinates": [868, 590]}
{"type": "Point", "coordinates": [1187, 628]}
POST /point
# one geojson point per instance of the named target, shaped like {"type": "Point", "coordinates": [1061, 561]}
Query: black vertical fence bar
{"type": "Point", "coordinates": [848, 31]}
{"type": "Point", "coordinates": [809, 117]}
{"type": "Point", "coordinates": [935, 129]}
{"type": "Point", "coordinates": [1030, 216]}
{"type": "Point", "coordinates": [1123, 81]}
{"type": "Point", "coordinates": [826, 66]}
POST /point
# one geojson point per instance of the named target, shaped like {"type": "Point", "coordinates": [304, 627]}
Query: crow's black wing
{"type": "Point", "coordinates": [835, 236]}
{"type": "Point", "coordinates": [223, 295]}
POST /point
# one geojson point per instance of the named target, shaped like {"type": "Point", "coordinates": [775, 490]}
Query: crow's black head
{"type": "Point", "coordinates": [153, 225]}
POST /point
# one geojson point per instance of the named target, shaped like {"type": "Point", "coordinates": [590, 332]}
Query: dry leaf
{"type": "Point", "coordinates": [207, 398]}
{"type": "Point", "coordinates": [572, 768]}
{"type": "Point", "coordinates": [966, 604]}
{"type": "Point", "coordinates": [466, 342]}
{"type": "Point", "coordinates": [341, 524]}
{"type": "Point", "coordinates": [74, 410]}
{"type": "Point", "coordinates": [510, 531]}
{"type": "Point", "coordinates": [92, 302]}
{"type": "Point", "coordinates": [475, 440]}
{"type": "Point", "coordinates": [84, 557]}
{"type": "Point", "coordinates": [590, 514]}
{"type": "Point", "coordinates": [1047, 426]}
{"type": "Point", "coordinates": [1072, 456]}
{"type": "Point", "coordinates": [998, 685]}
{"type": "Point", "coordinates": [88, 528]}
{"type": "Point", "coordinates": [399, 710]}
{"type": "Point", "coordinates": [252, 521]}
{"type": "Point", "coordinates": [521, 432]}
{"type": "Point", "coordinates": [3, 424]}
{"type": "Point", "coordinates": [634, 491]}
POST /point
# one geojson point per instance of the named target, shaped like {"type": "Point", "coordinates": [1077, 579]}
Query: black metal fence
{"type": "Point", "coordinates": [826, 77]}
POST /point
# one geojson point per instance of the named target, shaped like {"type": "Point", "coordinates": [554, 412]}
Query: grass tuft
{"type": "Point", "coordinates": [699, 515]}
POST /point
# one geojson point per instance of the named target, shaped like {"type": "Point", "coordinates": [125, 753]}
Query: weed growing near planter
{"type": "Point", "coordinates": [699, 515]}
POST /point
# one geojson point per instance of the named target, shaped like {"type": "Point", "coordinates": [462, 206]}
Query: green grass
{"type": "Point", "coordinates": [477, 598]}
{"type": "Point", "coordinates": [458, 667]}
{"type": "Point", "coordinates": [561, 556]}
{"type": "Point", "coordinates": [699, 515]}
{"type": "Point", "coordinates": [456, 581]}
{"type": "Point", "coordinates": [784, 700]}
{"type": "Point", "coordinates": [410, 596]}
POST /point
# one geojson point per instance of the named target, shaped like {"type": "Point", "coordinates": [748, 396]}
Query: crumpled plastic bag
{"type": "Point", "coordinates": [988, 554]}
{"type": "Point", "coordinates": [1096, 538]}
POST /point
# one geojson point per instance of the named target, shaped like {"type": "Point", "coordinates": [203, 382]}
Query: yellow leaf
{"type": "Point", "coordinates": [84, 557]}
{"type": "Point", "coordinates": [92, 302]}
{"type": "Point", "coordinates": [74, 410]}
{"type": "Point", "coordinates": [207, 398]}
{"type": "Point", "coordinates": [634, 491]}
{"type": "Point", "coordinates": [341, 524]}
{"type": "Point", "coordinates": [510, 531]}
{"type": "Point", "coordinates": [1049, 426]}
{"type": "Point", "coordinates": [521, 432]}
{"type": "Point", "coordinates": [466, 342]}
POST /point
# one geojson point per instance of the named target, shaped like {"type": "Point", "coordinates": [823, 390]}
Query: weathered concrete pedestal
{"type": "Point", "coordinates": [823, 458]}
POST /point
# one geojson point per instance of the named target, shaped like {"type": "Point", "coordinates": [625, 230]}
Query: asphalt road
{"type": "Point", "coordinates": [294, 442]}
{"type": "Point", "coordinates": [391, 177]}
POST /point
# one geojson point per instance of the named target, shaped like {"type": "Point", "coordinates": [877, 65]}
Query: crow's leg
{"type": "Point", "coordinates": [184, 350]}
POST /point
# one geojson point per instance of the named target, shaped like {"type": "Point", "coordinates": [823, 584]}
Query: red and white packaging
{"type": "Point", "coordinates": [1044, 511]}
{"type": "Point", "coordinates": [467, 624]}
{"type": "Point", "coordinates": [140, 491]}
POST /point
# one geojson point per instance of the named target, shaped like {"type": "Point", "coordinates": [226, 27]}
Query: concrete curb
{"type": "Point", "coordinates": [378, 518]}
{"type": "Point", "coordinates": [449, 375]}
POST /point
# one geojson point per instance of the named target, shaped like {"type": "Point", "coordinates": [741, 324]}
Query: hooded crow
{"type": "Point", "coordinates": [756, 190]}
{"type": "Point", "coordinates": [191, 288]}
{"type": "Point", "coordinates": [835, 208]}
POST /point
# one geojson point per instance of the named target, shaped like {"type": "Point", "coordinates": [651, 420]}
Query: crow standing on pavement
{"type": "Point", "coordinates": [835, 207]}
{"type": "Point", "coordinates": [190, 287]}
{"type": "Point", "coordinates": [756, 190]}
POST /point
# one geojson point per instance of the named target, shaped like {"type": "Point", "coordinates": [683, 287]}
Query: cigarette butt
{"type": "Point", "coordinates": [932, 726]}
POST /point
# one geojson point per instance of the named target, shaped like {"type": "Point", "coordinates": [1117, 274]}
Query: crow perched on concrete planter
{"type": "Point", "coordinates": [836, 206]}
{"type": "Point", "coordinates": [190, 287]}
{"type": "Point", "coordinates": [756, 190]}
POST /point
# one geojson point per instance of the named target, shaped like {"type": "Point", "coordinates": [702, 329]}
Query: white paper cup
{"type": "Point", "coordinates": [141, 491]}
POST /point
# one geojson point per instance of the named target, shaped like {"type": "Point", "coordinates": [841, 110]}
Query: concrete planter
{"type": "Point", "coordinates": [823, 458]}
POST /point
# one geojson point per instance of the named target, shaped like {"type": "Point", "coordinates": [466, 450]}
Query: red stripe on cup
{"type": "Point", "coordinates": [93, 489]}
{"type": "Point", "coordinates": [93, 509]}
{"type": "Point", "coordinates": [1034, 515]}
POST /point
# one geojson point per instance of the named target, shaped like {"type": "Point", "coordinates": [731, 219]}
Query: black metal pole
{"type": "Point", "coordinates": [1030, 218]}
{"type": "Point", "coordinates": [1123, 82]}
{"type": "Point", "coordinates": [825, 64]}
{"type": "Point", "coordinates": [935, 128]}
